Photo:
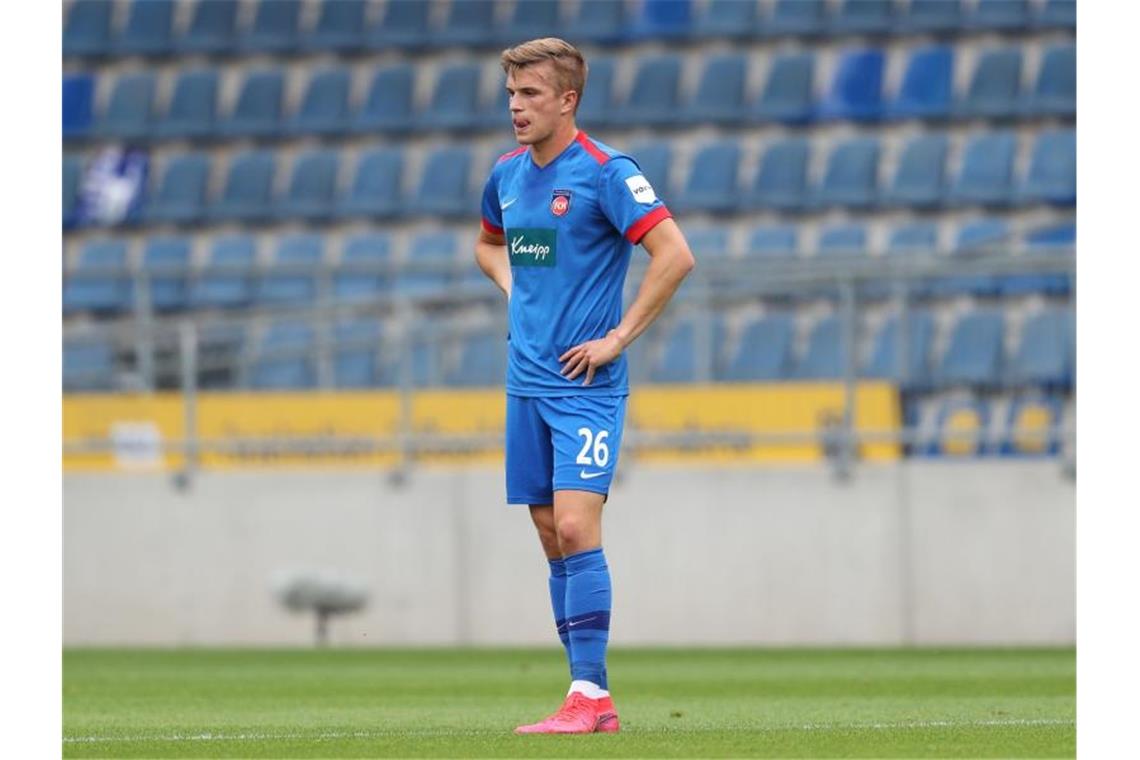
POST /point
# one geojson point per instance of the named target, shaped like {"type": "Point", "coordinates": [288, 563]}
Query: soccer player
{"type": "Point", "coordinates": [561, 215]}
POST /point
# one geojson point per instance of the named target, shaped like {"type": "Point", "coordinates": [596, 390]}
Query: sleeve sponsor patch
{"type": "Point", "coordinates": [641, 190]}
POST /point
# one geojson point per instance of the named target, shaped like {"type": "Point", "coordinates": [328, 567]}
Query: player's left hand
{"type": "Point", "coordinates": [587, 357]}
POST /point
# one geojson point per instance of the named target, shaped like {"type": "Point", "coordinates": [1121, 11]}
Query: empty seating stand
{"type": "Point", "coordinates": [856, 90]}
{"type": "Point", "coordinates": [974, 355]}
{"type": "Point", "coordinates": [376, 186]}
{"type": "Point", "coordinates": [87, 29]}
{"type": "Point", "coordinates": [920, 175]}
{"type": "Point", "coordinates": [192, 113]}
{"type": "Point", "coordinates": [712, 183]}
{"type": "Point", "coordinates": [149, 30]}
{"type": "Point", "coordinates": [340, 27]}
{"type": "Point", "coordinates": [764, 351]}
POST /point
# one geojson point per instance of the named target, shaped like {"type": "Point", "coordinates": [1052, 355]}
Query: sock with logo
{"type": "Point", "coordinates": [558, 601]}
{"type": "Point", "coordinates": [588, 597]}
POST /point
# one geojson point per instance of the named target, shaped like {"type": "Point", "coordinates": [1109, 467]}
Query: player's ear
{"type": "Point", "coordinates": [569, 101]}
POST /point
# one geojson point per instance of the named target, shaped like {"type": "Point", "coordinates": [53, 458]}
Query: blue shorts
{"type": "Point", "coordinates": [564, 443]}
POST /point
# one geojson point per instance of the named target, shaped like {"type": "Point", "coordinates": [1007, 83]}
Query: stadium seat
{"type": "Point", "coordinates": [597, 102]}
{"type": "Point", "coordinates": [227, 279]}
{"type": "Point", "coordinates": [1031, 426]}
{"type": "Point", "coordinates": [324, 108]}
{"type": "Point", "coordinates": [1052, 176]}
{"type": "Point", "coordinates": [973, 238]}
{"type": "Point", "coordinates": [284, 358]}
{"type": "Point", "coordinates": [920, 174]}
{"type": "Point", "coordinates": [665, 20]}
{"type": "Point", "coordinates": [862, 17]}
{"type": "Point", "coordinates": [1056, 238]}
{"type": "Point", "coordinates": [653, 96]}
{"type": "Point", "coordinates": [88, 365]}
{"type": "Point", "coordinates": [427, 270]}
{"type": "Point", "coordinates": [388, 107]}
{"type": "Point", "coordinates": [213, 28]}
{"type": "Point", "coordinates": [495, 111]}
{"type": "Point", "coordinates": [258, 109]}
{"type": "Point", "coordinates": [961, 426]}
{"type": "Point", "coordinates": [356, 355]}
{"type": "Point", "coordinates": [678, 362]}
{"type": "Point", "coordinates": [533, 20]}
{"type": "Point", "coordinates": [340, 27]}
{"type": "Point", "coordinates": [655, 160]}
{"type": "Point", "coordinates": [312, 188]}
{"type": "Point", "coordinates": [166, 263]}
{"type": "Point", "coordinates": [470, 23]}
{"type": "Point", "coordinates": [851, 178]}
{"type": "Point", "coordinates": [1057, 14]}
{"type": "Point", "coordinates": [222, 355]}
{"type": "Point", "coordinates": [149, 29]}
{"type": "Point", "coordinates": [1000, 15]}
{"type": "Point", "coordinates": [181, 196]}
{"type": "Point", "coordinates": [994, 85]}
{"type": "Point", "coordinates": [927, 90]}
{"type": "Point", "coordinates": [455, 99]}
{"type": "Point", "coordinates": [600, 22]}
{"type": "Point", "coordinates": [712, 182]}
{"type": "Point", "coordinates": [72, 173]}
{"type": "Point", "coordinates": [930, 16]}
{"type": "Point", "coordinates": [1045, 354]}
{"type": "Point", "coordinates": [274, 28]}
{"type": "Point", "coordinates": [482, 361]}
{"type": "Point", "coordinates": [779, 241]}
{"type": "Point", "coordinates": [376, 184]}
{"type": "Point", "coordinates": [87, 30]}
{"type": "Point", "coordinates": [100, 282]}
{"type": "Point", "coordinates": [247, 195]}
{"type": "Point", "coordinates": [192, 112]}
{"type": "Point", "coordinates": [856, 89]}
{"type": "Point", "coordinates": [781, 180]}
{"type": "Point", "coordinates": [444, 184]}
{"type": "Point", "coordinates": [719, 98]}
{"type": "Point", "coordinates": [130, 110]}
{"type": "Point", "coordinates": [885, 361]}
{"type": "Point", "coordinates": [404, 27]}
{"type": "Point", "coordinates": [731, 19]}
{"type": "Point", "coordinates": [986, 174]}
{"type": "Point", "coordinates": [788, 94]}
{"type": "Point", "coordinates": [291, 279]}
{"type": "Point", "coordinates": [974, 355]}
{"type": "Point", "coordinates": [796, 18]}
{"type": "Point", "coordinates": [913, 239]}
{"type": "Point", "coordinates": [842, 239]}
{"type": "Point", "coordinates": [764, 351]}
{"type": "Point", "coordinates": [707, 241]}
{"type": "Point", "coordinates": [826, 355]}
{"type": "Point", "coordinates": [78, 96]}
{"type": "Point", "coordinates": [1055, 92]}
{"type": "Point", "coordinates": [362, 273]}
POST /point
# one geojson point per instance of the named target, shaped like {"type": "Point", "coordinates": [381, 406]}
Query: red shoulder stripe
{"type": "Point", "coordinates": [643, 225]}
{"type": "Point", "coordinates": [599, 155]}
{"type": "Point", "coordinates": [511, 154]}
{"type": "Point", "coordinates": [491, 228]}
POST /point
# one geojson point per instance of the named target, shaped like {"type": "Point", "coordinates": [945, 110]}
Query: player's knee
{"type": "Point", "coordinates": [574, 535]}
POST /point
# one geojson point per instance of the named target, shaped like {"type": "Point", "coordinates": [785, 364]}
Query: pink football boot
{"type": "Point", "coordinates": [579, 715]}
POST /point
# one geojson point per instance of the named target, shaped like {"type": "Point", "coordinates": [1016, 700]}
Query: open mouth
{"type": "Point", "coordinates": [520, 124]}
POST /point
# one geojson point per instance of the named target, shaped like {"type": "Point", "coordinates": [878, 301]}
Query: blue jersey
{"type": "Point", "coordinates": [570, 227]}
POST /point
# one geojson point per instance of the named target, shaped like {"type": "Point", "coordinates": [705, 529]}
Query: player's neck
{"type": "Point", "coordinates": [542, 153]}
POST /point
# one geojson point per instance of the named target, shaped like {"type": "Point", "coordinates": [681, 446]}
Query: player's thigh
{"type": "Point", "coordinates": [529, 454]}
{"type": "Point", "coordinates": [587, 435]}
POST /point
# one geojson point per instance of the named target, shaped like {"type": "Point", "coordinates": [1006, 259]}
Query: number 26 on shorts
{"type": "Point", "coordinates": [595, 441]}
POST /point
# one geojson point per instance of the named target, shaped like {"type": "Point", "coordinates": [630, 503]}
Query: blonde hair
{"type": "Point", "coordinates": [570, 67]}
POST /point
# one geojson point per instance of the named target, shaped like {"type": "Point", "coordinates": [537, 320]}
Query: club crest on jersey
{"type": "Point", "coordinates": [560, 202]}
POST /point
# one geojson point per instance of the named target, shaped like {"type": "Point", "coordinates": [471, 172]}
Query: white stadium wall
{"type": "Point", "coordinates": [923, 553]}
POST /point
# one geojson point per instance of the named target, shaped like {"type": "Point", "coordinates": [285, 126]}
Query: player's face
{"type": "Point", "coordinates": [536, 104]}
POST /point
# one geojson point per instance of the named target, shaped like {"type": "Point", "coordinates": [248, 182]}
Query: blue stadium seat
{"type": "Point", "coordinates": [678, 362]}
{"type": "Point", "coordinates": [719, 98]}
{"type": "Point", "coordinates": [495, 112]}
{"type": "Point", "coordinates": [284, 358]}
{"type": "Point", "coordinates": [920, 175]}
{"type": "Point", "coordinates": [100, 282]}
{"type": "Point", "coordinates": [1045, 355]}
{"type": "Point", "coordinates": [597, 102]}
{"type": "Point", "coordinates": [312, 187]}
{"type": "Point", "coordinates": [1052, 176]}
{"type": "Point", "coordinates": [862, 17]}
{"type": "Point", "coordinates": [764, 351]}
{"type": "Point", "coordinates": [131, 108]}
{"type": "Point", "coordinates": [732, 19]}
{"type": "Point", "coordinates": [388, 107]}
{"type": "Point", "coordinates": [375, 190]}
{"type": "Point", "coordinates": [227, 279]}
{"type": "Point", "coordinates": [1057, 14]}
{"type": "Point", "coordinates": [213, 28]}
{"type": "Point", "coordinates": [292, 277]}
{"type": "Point", "coordinates": [826, 355]}
{"type": "Point", "coordinates": [655, 160]}
{"type": "Point", "coordinates": [258, 109]}
{"type": "Point", "coordinates": [927, 90]}
{"type": "Point", "coordinates": [430, 258]}
{"type": "Point", "coordinates": [986, 174]}
{"type": "Point", "coordinates": [913, 239]}
{"type": "Point", "coordinates": [181, 196]}
{"type": "Point", "coordinates": [1031, 426]}
{"type": "Point", "coordinates": [653, 97]}
{"type": "Point", "coordinates": [247, 195]}
{"type": "Point", "coordinates": [781, 180]}
{"type": "Point", "coordinates": [193, 106]}
{"type": "Point", "coordinates": [356, 355]}
{"type": "Point", "coordinates": [773, 241]}
{"type": "Point", "coordinates": [961, 426]}
{"type": "Point", "coordinates": [221, 355]}
{"type": "Point", "coordinates": [796, 18]}
{"type": "Point", "coordinates": [149, 30]}
{"type": "Point", "coordinates": [843, 239]}
{"type": "Point", "coordinates": [470, 23]}
{"type": "Point", "coordinates": [482, 361]}
{"type": "Point", "coordinates": [166, 263]}
{"type": "Point", "coordinates": [1055, 238]}
{"type": "Point", "coordinates": [87, 30]}
{"type": "Point", "coordinates": [340, 27]}
{"type": "Point", "coordinates": [712, 182]}
{"type": "Point", "coordinates": [72, 173]}
{"type": "Point", "coordinates": [973, 238]}
{"type": "Point", "coordinates": [599, 21]}
{"type": "Point", "coordinates": [707, 241]}
{"type": "Point", "coordinates": [444, 184]}
{"type": "Point", "coordinates": [455, 99]}
{"type": "Point", "coordinates": [851, 178]}
{"type": "Point", "coordinates": [974, 355]}
{"type": "Point", "coordinates": [88, 365]}
{"type": "Point", "coordinates": [324, 108]}
{"type": "Point", "coordinates": [533, 20]}
{"type": "Point", "coordinates": [668, 20]}
{"type": "Point", "coordinates": [403, 27]}
{"type": "Point", "coordinates": [1055, 92]}
{"type": "Point", "coordinates": [1000, 15]}
{"type": "Point", "coordinates": [994, 85]}
{"type": "Point", "coordinates": [274, 28]}
{"type": "Point", "coordinates": [856, 90]}
{"type": "Point", "coordinates": [78, 96]}
{"type": "Point", "coordinates": [362, 274]}
{"type": "Point", "coordinates": [886, 362]}
{"type": "Point", "coordinates": [788, 95]}
{"type": "Point", "coordinates": [931, 16]}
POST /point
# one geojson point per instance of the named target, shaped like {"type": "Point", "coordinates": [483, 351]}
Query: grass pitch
{"type": "Point", "coordinates": [672, 702]}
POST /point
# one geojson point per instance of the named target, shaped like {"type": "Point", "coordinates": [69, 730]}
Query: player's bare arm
{"type": "Point", "coordinates": [491, 256]}
{"type": "Point", "coordinates": [671, 261]}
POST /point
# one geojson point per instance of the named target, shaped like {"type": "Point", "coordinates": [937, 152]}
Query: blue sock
{"type": "Point", "coordinates": [558, 601]}
{"type": "Point", "coordinates": [588, 598]}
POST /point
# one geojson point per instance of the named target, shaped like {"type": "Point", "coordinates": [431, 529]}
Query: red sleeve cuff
{"type": "Point", "coordinates": [643, 225]}
{"type": "Point", "coordinates": [491, 228]}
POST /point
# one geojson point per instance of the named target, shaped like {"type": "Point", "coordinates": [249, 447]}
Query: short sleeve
{"type": "Point", "coordinates": [492, 214]}
{"type": "Point", "coordinates": [628, 200]}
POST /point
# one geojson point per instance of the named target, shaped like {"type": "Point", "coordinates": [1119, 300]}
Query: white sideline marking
{"type": "Point", "coordinates": [211, 737]}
